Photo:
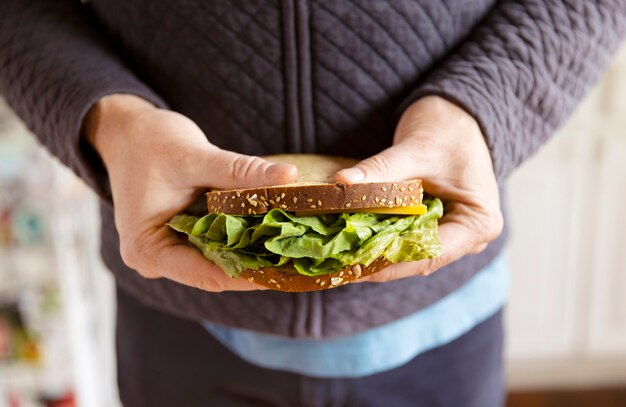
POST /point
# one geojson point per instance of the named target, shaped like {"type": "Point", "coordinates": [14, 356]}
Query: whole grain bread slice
{"type": "Point", "coordinates": [285, 278]}
{"type": "Point", "coordinates": [315, 192]}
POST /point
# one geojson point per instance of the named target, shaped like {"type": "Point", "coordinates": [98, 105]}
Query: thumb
{"type": "Point", "coordinates": [229, 170]}
{"type": "Point", "coordinates": [399, 162]}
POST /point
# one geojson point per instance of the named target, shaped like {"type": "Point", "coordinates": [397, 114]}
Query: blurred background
{"type": "Point", "coordinates": [566, 320]}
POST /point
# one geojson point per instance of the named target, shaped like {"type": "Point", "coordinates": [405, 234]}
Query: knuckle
{"type": "Point", "coordinates": [216, 287]}
{"type": "Point", "coordinates": [429, 266]}
{"type": "Point", "coordinates": [380, 164]}
{"type": "Point", "coordinates": [486, 225]}
{"type": "Point", "coordinates": [133, 255]}
{"type": "Point", "coordinates": [130, 255]}
{"type": "Point", "coordinates": [245, 167]}
{"type": "Point", "coordinates": [496, 224]}
{"type": "Point", "coordinates": [146, 273]}
{"type": "Point", "coordinates": [479, 248]}
{"type": "Point", "coordinates": [211, 285]}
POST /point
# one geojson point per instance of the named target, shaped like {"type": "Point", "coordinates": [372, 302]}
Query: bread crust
{"type": "Point", "coordinates": [315, 193]}
{"type": "Point", "coordinates": [288, 280]}
{"type": "Point", "coordinates": [316, 197]}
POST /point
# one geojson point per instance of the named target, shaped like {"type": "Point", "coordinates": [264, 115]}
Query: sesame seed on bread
{"type": "Point", "coordinates": [286, 279]}
{"type": "Point", "coordinates": [315, 191]}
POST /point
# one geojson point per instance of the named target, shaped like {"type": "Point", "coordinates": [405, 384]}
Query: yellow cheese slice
{"type": "Point", "coordinates": [401, 210]}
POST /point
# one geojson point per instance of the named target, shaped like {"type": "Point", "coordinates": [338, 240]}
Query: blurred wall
{"type": "Point", "coordinates": [567, 315]}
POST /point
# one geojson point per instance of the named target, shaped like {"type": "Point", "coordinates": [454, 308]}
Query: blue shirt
{"type": "Point", "coordinates": [381, 348]}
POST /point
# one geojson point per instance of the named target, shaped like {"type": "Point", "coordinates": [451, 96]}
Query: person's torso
{"type": "Point", "coordinates": [299, 76]}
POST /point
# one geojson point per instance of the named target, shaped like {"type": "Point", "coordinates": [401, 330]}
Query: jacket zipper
{"type": "Point", "coordinates": [299, 108]}
{"type": "Point", "coordinates": [305, 97]}
{"type": "Point", "coordinates": [300, 130]}
{"type": "Point", "coordinates": [290, 53]}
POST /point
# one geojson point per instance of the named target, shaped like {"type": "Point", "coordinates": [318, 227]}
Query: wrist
{"type": "Point", "coordinates": [436, 118]}
{"type": "Point", "coordinates": [108, 114]}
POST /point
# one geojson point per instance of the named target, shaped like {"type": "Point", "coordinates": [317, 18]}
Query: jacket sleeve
{"type": "Point", "coordinates": [524, 68]}
{"type": "Point", "coordinates": [54, 65]}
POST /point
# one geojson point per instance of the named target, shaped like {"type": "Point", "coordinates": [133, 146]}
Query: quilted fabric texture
{"type": "Point", "coordinates": [524, 69]}
{"type": "Point", "coordinates": [366, 54]}
{"type": "Point", "coordinates": [270, 76]}
{"type": "Point", "coordinates": [49, 81]}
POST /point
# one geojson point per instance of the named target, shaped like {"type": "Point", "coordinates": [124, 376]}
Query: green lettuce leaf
{"type": "Point", "coordinates": [313, 245]}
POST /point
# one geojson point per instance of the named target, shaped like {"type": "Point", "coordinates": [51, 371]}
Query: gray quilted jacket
{"type": "Point", "coordinates": [317, 76]}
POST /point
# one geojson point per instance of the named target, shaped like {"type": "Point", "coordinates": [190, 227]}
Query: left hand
{"type": "Point", "coordinates": [443, 145]}
{"type": "Point", "coordinates": [159, 162]}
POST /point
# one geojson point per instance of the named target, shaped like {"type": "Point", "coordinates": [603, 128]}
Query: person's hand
{"type": "Point", "coordinates": [158, 163]}
{"type": "Point", "coordinates": [442, 144]}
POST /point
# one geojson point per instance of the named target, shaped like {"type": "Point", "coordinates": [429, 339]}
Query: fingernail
{"type": "Point", "coordinates": [353, 174]}
{"type": "Point", "coordinates": [280, 171]}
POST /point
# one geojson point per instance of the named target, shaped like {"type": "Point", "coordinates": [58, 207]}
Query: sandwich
{"type": "Point", "coordinates": [316, 233]}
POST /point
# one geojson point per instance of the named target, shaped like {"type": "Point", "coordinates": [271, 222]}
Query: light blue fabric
{"type": "Point", "coordinates": [384, 347]}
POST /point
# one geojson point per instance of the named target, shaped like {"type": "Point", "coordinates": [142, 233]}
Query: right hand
{"type": "Point", "coordinates": [159, 162]}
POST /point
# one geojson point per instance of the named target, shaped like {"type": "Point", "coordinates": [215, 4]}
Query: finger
{"type": "Point", "coordinates": [187, 266]}
{"type": "Point", "coordinates": [399, 162]}
{"type": "Point", "coordinates": [174, 260]}
{"type": "Point", "coordinates": [480, 248]}
{"type": "Point", "coordinates": [456, 240]}
{"type": "Point", "coordinates": [229, 170]}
